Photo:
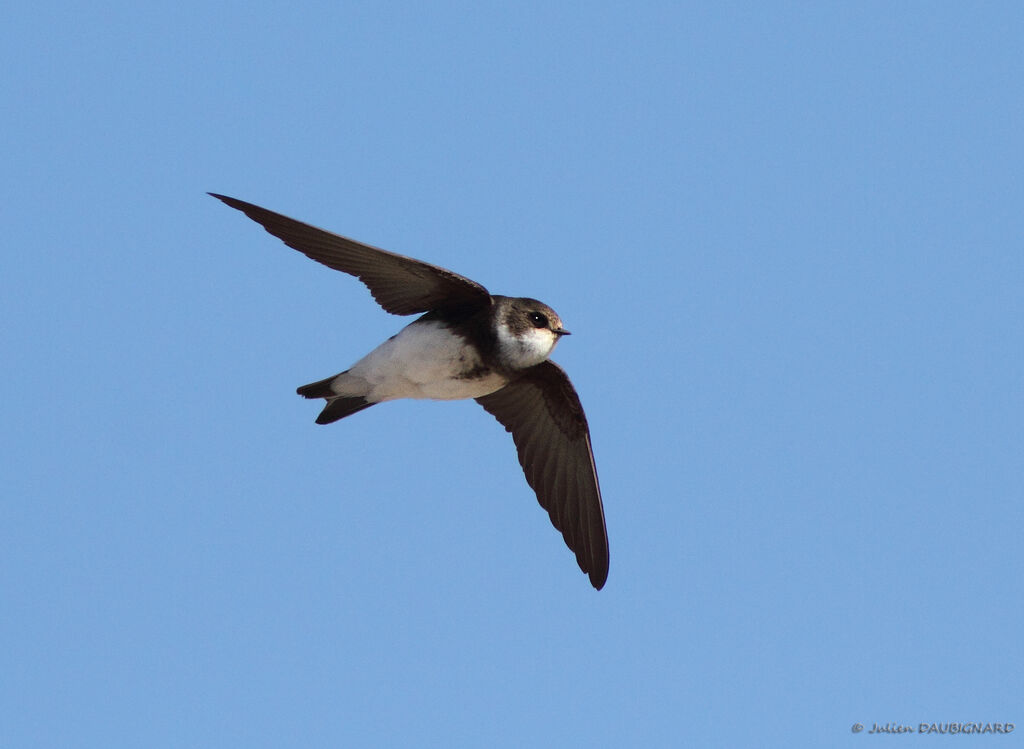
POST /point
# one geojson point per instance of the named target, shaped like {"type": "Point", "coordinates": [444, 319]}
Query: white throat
{"type": "Point", "coordinates": [527, 349]}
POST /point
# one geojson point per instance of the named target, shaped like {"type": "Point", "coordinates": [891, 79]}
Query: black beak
{"type": "Point", "coordinates": [560, 331]}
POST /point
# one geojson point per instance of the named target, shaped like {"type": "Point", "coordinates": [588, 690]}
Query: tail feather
{"type": "Point", "coordinates": [319, 389]}
{"type": "Point", "coordinates": [338, 406]}
{"type": "Point", "coordinates": [341, 406]}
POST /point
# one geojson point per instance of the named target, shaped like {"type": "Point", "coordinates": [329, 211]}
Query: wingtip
{"type": "Point", "coordinates": [222, 198]}
{"type": "Point", "coordinates": [248, 209]}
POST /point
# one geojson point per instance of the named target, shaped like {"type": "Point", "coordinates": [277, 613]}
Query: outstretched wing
{"type": "Point", "coordinates": [542, 411]}
{"type": "Point", "coordinates": [401, 285]}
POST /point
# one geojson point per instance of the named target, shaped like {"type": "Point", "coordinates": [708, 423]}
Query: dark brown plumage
{"type": "Point", "coordinates": [401, 285]}
{"type": "Point", "coordinates": [543, 412]}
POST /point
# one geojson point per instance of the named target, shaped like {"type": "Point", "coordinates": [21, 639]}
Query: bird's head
{"type": "Point", "coordinates": [527, 331]}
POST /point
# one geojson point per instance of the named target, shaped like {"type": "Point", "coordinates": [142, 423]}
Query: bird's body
{"type": "Point", "coordinates": [467, 344]}
{"type": "Point", "coordinates": [425, 360]}
{"type": "Point", "coordinates": [448, 357]}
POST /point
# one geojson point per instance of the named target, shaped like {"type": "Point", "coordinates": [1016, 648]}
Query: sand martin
{"type": "Point", "coordinates": [467, 343]}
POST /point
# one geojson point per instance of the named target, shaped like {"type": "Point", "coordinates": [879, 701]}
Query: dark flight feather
{"type": "Point", "coordinates": [401, 285]}
{"type": "Point", "coordinates": [543, 412]}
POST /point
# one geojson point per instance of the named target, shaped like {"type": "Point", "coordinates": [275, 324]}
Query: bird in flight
{"type": "Point", "coordinates": [467, 343]}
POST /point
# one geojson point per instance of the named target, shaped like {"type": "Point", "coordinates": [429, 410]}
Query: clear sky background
{"type": "Point", "coordinates": [787, 238]}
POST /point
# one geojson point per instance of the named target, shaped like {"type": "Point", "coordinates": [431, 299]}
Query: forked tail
{"type": "Point", "coordinates": [338, 406]}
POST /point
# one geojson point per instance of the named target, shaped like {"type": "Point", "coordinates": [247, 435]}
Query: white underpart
{"type": "Point", "coordinates": [526, 350]}
{"type": "Point", "coordinates": [423, 361]}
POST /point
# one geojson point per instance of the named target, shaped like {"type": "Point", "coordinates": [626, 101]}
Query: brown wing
{"type": "Point", "coordinates": [544, 415]}
{"type": "Point", "coordinates": [401, 285]}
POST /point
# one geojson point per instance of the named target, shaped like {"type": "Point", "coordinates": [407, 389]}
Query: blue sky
{"type": "Point", "coordinates": [787, 238]}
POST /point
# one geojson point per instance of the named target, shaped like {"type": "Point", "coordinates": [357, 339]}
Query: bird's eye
{"type": "Point", "coordinates": [538, 320]}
